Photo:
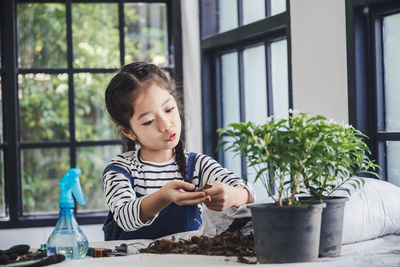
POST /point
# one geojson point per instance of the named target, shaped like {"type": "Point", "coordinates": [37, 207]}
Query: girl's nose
{"type": "Point", "coordinates": [165, 124]}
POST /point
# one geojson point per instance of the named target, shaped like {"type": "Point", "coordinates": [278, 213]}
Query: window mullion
{"type": "Point", "coordinates": [219, 97]}
{"type": "Point", "coordinates": [242, 104]}
{"type": "Point", "coordinates": [240, 12]}
{"type": "Point", "coordinates": [270, 102]}
{"type": "Point", "coordinates": [12, 179]}
{"type": "Point", "coordinates": [71, 93]}
{"type": "Point", "coordinates": [267, 8]}
{"type": "Point", "coordinates": [121, 17]}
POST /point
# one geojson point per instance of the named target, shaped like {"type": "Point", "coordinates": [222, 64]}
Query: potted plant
{"type": "Point", "coordinates": [286, 230]}
{"type": "Point", "coordinates": [296, 155]}
{"type": "Point", "coordinates": [336, 157]}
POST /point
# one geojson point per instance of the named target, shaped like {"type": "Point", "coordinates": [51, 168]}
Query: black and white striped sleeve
{"type": "Point", "coordinates": [209, 170]}
{"type": "Point", "coordinates": [122, 201]}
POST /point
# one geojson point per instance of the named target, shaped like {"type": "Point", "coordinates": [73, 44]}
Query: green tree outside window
{"type": "Point", "coordinates": [43, 98]}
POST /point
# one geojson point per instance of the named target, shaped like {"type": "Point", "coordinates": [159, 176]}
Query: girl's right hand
{"type": "Point", "coordinates": [179, 192]}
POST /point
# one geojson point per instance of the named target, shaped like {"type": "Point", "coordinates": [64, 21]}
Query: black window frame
{"type": "Point", "coordinates": [9, 72]}
{"type": "Point", "coordinates": [365, 74]}
{"type": "Point", "coordinates": [213, 44]}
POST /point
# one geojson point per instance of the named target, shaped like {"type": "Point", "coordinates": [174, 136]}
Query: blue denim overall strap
{"type": "Point", "coordinates": [172, 219]}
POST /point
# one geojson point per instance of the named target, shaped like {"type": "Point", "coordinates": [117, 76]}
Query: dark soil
{"type": "Point", "coordinates": [230, 243]}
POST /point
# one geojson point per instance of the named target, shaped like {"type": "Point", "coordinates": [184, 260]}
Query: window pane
{"type": "Point", "coordinates": [232, 161]}
{"type": "Point", "coordinates": [92, 160]}
{"type": "Point", "coordinates": [42, 169]}
{"type": "Point", "coordinates": [230, 89]}
{"type": "Point", "coordinates": [41, 35]}
{"type": "Point", "coordinates": [95, 35]}
{"type": "Point", "coordinates": [146, 33]}
{"type": "Point", "coordinates": [253, 10]}
{"type": "Point", "coordinates": [279, 70]}
{"type": "Point", "coordinates": [43, 105]}
{"type": "Point", "coordinates": [393, 167]}
{"type": "Point", "coordinates": [91, 120]}
{"type": "Point", "coordinates": [277, 6]}
{"type": "Point", "coordinates": [259, 188]}
{"type": "Point", "coordinates": [391, 51]}
{"type": "Point", "coordinates": [2, 202]}
{"type": "Point", "coordinates": [227, 15]}
{"type": "Point", "coordinates": [255, 84]}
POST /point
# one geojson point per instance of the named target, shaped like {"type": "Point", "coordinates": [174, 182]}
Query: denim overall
{"type": "Point", "coordinates": [172, 219]}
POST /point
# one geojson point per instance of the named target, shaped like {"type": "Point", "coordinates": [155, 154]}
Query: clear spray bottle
{"type": "Point", "coordinates": [67, 237]}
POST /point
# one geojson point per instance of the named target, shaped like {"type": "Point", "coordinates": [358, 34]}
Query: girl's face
{"type": "Point", "coordinates": [156, 123]}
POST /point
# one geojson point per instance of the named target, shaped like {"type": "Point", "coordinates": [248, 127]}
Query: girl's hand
{"type": "Point", "coordinates": [174, 191]}
{"type": "Point", "coordinates": [179, 193]}
{"type": "Point", "coordinates": [224, 196]}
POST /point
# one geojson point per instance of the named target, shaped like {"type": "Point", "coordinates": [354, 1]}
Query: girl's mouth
{"type": "Point", "coordinates": [172, 137]}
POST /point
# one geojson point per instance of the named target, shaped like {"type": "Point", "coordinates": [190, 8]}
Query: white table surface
{"type": "Point", "coordinates": [384, 251]}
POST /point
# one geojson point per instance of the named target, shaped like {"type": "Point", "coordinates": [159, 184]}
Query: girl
{"type": "Point", "coordinates": [154, 188]}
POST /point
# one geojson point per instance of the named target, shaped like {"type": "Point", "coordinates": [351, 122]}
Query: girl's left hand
{"type": "Point", "coordinates": [224, 196]}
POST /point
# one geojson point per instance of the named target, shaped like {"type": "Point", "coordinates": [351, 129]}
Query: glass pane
{"type": "Point", "coordinates": [255, 89]}
{"type": "Point", "coordinates": [393, 167]}
{"type": "Point", "coordinates": [230, 89]}
{"type": "Point", "coordinates": [43, 105]}
{"type": "Point", "coordinates": [277, 6]}
{"type": "Point", "coordinates": [259, 188]}
{"type": "Point", "coordinates": [227, 15]}
{"type": "Point", "coordinates": [42, 169]}
{"type": "Point", "coordinates": [232, 161]}
{"type": "Point", "coordinates": [92, 160]}
{"type": "Point", "coordinates": [95, 35]}
{"type": "Point", "coordinates": [41, 35]}
{"type": "Point", "coordinates": [391, 56]}
{"type": "Point", "coordinates": [253, 10]}
{"type": "Point", "coordinates": [91, 119]}
{"type": "Point", "coordinates": [279, 70]}
{"type": "Point", "coordinates": [2, 202]}
{"type": "Point", "coordinates": [146, 36]}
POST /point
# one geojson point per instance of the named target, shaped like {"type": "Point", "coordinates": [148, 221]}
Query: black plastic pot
{"type": "Point", "coordinates": [331, 225]}
{"type": "Point", "coordinates": [286, 234]}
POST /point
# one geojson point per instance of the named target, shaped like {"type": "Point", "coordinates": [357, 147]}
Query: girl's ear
{"type": "Point", "coordinates": [128, 133]}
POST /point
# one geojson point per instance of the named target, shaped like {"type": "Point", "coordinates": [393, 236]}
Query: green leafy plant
{"type": "Point", "coordinates": [301, 154]}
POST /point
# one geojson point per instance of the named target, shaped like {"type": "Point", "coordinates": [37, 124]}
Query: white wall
{"type": "Point", "coordinates": [319, 68]}
{"type": "Point", "coordinates": [192, 75]}
{"type": "Point", "coordinates": [34, 237]}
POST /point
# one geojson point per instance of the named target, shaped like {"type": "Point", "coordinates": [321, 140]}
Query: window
{"type": "Point", "coordinates": [374, 61]}
{"type": "Point", "coordinates": [245, 70]}
{"type": "Point", "coordinates": [54, 114]}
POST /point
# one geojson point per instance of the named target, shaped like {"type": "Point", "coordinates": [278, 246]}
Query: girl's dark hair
{"type": "Point", "coordinates": [123, 90]}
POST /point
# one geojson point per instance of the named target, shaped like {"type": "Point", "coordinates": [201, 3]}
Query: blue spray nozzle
{"type": "Point", "coordinates": [70, 185]}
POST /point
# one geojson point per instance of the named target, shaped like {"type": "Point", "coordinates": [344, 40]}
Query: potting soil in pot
{"type": "Point", "coordinates": [230, 243]}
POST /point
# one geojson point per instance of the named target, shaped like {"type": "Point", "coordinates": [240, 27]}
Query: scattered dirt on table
{"type": "Point", "coordinates": [230, 243]}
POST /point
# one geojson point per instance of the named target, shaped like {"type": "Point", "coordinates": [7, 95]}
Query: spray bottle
{"type": "Point", "coordinates": [67, 237]}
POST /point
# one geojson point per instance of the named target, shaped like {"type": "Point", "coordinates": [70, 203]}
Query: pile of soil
{"type": "Point", "coordinates": [230, 243]}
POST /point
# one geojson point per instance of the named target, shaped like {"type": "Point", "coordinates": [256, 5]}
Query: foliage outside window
{"type": "Point", "coordinates": [66, 55]}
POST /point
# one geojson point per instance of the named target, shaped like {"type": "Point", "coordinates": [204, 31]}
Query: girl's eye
{"type": "Point", "coordinates": [170, 109]}
{"type": "Point", "coordinates": [148, 122]}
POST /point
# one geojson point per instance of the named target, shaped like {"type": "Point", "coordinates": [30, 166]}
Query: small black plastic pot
{"type": "Point", "coordinates": [331, 225]}
{"type": "Point", "coordinates": [286, 234]}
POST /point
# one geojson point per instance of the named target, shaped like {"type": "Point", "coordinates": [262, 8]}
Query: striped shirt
{"type": "Point", "coordinates": [135, 176]}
